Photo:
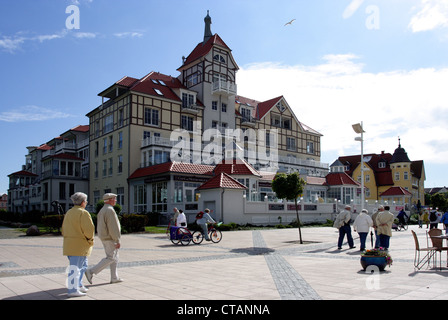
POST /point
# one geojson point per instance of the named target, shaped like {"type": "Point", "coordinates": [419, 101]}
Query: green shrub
{"type": "Point", "coordinates": [133, 222]}
{"type": "Point", "coordinates": [53, 222]}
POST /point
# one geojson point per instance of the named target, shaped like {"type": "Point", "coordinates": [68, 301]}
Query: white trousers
{"type": "Point", "coordinates": [111, 260]}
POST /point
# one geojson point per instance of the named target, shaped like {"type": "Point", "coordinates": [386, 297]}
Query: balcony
{"type": "Point", "coordinates": [192, 108]}
{"type": "Point", "coordinates": [248, 121]}
{"type": "Point", "coordinates": [224, 87]}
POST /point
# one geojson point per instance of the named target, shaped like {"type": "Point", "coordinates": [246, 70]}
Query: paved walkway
{"type": "Point", "coordinates": [245, 265]}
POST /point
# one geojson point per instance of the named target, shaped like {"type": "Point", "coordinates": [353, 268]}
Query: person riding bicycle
{"type": "Point", "coordinates": [401, 216]}
{"type": "Point", "coordinates": [202, 218]}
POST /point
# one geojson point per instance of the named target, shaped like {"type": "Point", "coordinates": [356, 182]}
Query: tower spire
{"type": "Point", "coordinates": [208, 30]}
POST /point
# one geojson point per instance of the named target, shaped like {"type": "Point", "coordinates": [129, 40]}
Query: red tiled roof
{"type": "Point", "coordinates": [23, 173]}
{"type": "Point", "coordinates": [340, 178]}
{"type": "Point", "coordinates": [222, 180]}
{"type": "Point", "coordinates": [178, 167]}
{"type": "Point", "coordinates": [64, 156]}
{"type": "Point", "coordinates": [236, 167]}
{"type": "Point", "coordinates": [45, 147]}
{"type": "Point", "coordinates": [203, 49]}
{"type": "Point", "coordinates": [396, 191]}
{"type": "Point", "coordinates": [81, 128]}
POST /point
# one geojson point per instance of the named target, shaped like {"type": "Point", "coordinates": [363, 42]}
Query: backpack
{"type": "Point", "coordinates": [433, 216]}
{"type": "Point", "coordinates": [199, 215]}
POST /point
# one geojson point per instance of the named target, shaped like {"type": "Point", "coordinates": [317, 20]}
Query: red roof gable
{"type": "Point", "coordinates": [340, 178]}
{"type": "Point", "coordinates": [178, 167]}
{"type": "Point", "coordinates": [396, 191]}
{"type": "Point", "coordinates": [222, 180]}
{"type": "Point", "coordinates": [236, 167]}
{"type": "Point", "coordinates": [23, 173]}
{"type": "Point", "coordinates": [202, 49]}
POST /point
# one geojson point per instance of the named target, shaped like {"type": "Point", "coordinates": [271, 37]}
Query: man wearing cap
{"type": "Point", "coordinates": [342, 222]}
{"type": "Point", "coordinates": [109, 231]}
{"type": "Point", "coordinates": [384, 222]}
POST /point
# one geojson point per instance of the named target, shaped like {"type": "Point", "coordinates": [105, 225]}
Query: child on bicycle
{"type": "Point", "coordinates": [202, 218]}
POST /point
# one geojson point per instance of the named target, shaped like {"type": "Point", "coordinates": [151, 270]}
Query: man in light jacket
{"type": "Point", "coordinates": [342, 222]}
{"type": "Point", "coordinates": [109, 231]}
{"type": "Point", "coordinates": [384, 221]}
{"type": "Point", "coordinates": [78, 231]}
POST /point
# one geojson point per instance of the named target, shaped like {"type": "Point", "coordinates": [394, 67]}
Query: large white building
{"type": "Point", "coordinates": [155, 141]}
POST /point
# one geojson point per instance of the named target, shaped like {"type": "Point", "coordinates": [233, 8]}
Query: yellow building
{"type": "Point", "coordinates": [391, 178]}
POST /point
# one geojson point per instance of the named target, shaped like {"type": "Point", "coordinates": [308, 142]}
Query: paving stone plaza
{"type": "Point", "coordinates": [246, 265]}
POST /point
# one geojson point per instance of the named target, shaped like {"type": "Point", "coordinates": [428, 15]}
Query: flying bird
{"type": "Point", "coordinates": [290, 22]}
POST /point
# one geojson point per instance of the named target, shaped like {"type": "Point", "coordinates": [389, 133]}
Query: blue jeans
{"type": "Point", "coordinates": [384, 241]}
{"type": "Point", "coordinates": [345, 230]}
{"type": "Point", "coordinates": [205, 230]}
{"type": "Point", "coordinates": [78, 265]}
{"type": "Point", "coordinates": [362, 239]}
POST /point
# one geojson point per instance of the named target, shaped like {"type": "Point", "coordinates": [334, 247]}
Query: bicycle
{"type": "Point", "coordinates": [214, 234]}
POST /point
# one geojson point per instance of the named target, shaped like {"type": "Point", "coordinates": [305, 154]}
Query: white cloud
{"type": "Point", "coordinates": [332, 96]}
{"type": "Point", "coordinates": [128, 35]}
{"type": "Point", "coordinates": [32, 113]}
{"type": "Point", "coordinates": [432, 14]}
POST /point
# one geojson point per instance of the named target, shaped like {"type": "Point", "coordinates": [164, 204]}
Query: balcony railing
{"type": "Point", "coordinates": [220, 86]}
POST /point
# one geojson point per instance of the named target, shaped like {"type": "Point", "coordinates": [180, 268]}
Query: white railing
{"type": "Point", "coordinates": [224, 86]}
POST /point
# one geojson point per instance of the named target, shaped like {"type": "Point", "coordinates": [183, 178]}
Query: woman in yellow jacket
{"type": "Point", "coordinates": [78, 231]}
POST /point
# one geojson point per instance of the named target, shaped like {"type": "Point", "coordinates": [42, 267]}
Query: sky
{"type": "Point", "coordinates": [339, 62]}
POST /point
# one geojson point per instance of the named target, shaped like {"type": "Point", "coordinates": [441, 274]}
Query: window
{"type": "Point", "coordinates": [120, 195]}
{"type": "Point", "coordinates": [159, 197]}
{"type": "Point", "coordinates": [193, 79]}
{"type": "Point", "coordinates": [108, 123]}
{"type": "Point", "coordinates": [62, 194]}
{"type": "Point", "coordinates": [187, 100]}
{"type": "Point", "coordinates": [405, 175]}
{"type": "Point", "coordinates": [96, 170]}
{"type": "Point", "coordinates": [120, 117]}
{"type": "Point", "coordinates": [140, 198]}
{"type": "Point", "coordinates": [397, 176]}
{"type": "Point", "coordinates": [310, 147]}
{"type": "Point", "coordinates": [219, 58]}
{"type": "Point", "coordinates": [104, 168]}
{"type": "Point", "coordinates": [382, 165]}
{"type": "Point", "coordinates": [291, 144]}
{"type": "Point", "coordinates": [158, 92]}
{"type": "Point", "coordinates": [120, 164]}
{"type": "Point", "coordinates": [187, 123]}
{"type": "Point", "coordinates": [104, 145]}
{"type": "Point", "coordinates": [287, 123]}
{"type": "Point", "coordinates": [151, 117]}
{"type": "Point", "coordinates": [214, 105]}
{"type": "Point", "coordinates": [224, 107]}
{"type": "Point", "coordinates": [178, 191]}
{"type": "Point", "coordinates": [111, 143]}
{"type": "Point", "coordinates": [275, 121]}
{"type": "Point", "coordinates": [120, 140]}
{"type": "Point", "coordinates": [111, 164]}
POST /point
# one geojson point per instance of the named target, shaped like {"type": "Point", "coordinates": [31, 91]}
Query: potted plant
{"type": "Point", "coordinates": [378, 257]}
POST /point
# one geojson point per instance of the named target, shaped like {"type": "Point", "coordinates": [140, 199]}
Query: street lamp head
{"type": "Point", "coordinates": [358, 128]}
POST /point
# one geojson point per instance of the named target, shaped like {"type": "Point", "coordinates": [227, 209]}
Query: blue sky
{"type": "Point", "coordinates": [383, 62]}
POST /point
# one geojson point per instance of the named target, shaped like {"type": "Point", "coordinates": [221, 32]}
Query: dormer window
{"type": "Point", "coordinates": [382, 165]}
{"type": "Point", "coordinates": [219, 58]}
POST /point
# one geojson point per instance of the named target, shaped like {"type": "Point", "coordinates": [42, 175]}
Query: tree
{"type": "Point", "coordinates": [289, 187]}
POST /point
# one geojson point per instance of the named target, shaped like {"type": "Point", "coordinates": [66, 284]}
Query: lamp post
{"type": "Point", "coordinates": [358, 128]}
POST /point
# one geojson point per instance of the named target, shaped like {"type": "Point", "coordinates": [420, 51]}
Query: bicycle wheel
{"type": "Point", "coordinates": [198, 237]}
{"type": "Point", "coordinates": [215, 235]}
{"type": "Point", "coordinates": [185, 239]}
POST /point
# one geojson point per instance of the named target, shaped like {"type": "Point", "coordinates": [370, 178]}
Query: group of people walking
{"type": "Point", "coordinates": [78, 232]}
{"type": "Point", "coordinates": [381, 222]}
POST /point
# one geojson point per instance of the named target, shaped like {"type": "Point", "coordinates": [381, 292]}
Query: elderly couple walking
{"type": "Point", "coordinates": [78, 231]}
{"type": "Point", "coordinates": [381, 221]}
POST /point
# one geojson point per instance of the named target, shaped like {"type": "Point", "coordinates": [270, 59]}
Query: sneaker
{"type": "Point", "coordinates": [83, 289]}
{"type": "Point", "coordinates": [116, 280]}
{"type": "Point", "coordinates": [76, 294]}
{"type": "Point", "coordinates": [89, 275]}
